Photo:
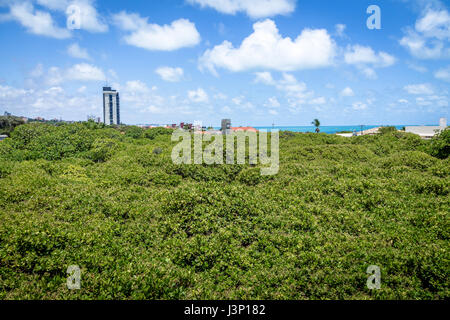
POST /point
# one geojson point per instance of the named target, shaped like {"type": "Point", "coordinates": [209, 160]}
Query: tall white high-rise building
{"type": "Point", "coordinates": [111, 106]}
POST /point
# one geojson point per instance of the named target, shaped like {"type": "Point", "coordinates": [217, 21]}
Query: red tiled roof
{"type": "Point", "coordinates": [244, 129]}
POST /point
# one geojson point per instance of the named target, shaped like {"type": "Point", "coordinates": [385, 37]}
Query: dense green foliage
{"type": "Point", "coordinates": [387, 130]}
{"type": "Point", "coordinates": [140, 227]}
{"type": "Point", "coordinates": [440, 145]}
{"type": "Point", "coordinates": [134, 132]}
{"type": "Point", "coordinates": [8, 123]}
{"type": "Point", "coordinates": [154, 132]}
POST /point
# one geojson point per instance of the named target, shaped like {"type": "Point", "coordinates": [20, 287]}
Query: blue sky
{"type": "Point", "coordinates": [257, 62]}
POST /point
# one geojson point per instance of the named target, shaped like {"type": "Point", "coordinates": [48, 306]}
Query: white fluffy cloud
{"type": "Point", "coordinates": [296, 93]}
{"type": "Point", "coordinates": [365, 55]}
{"type": "Point", "coordinates": [273, 103]}
{"type": "Point", "coordinates": [55, 76]}
{"type": "Point", "coordinates": [347, 92]}
{"type": "Point", "coordinates": [317, 101]}
{"type": "Point", "coordinates": [291, 86]}
{"type": "Point", "coordinates": [432, 101]}
{"type": "Point", "coordinates": [264, 77]}
{"type": "Point", "coordinates": [90, 19]}
{"type": "Point", "coordinates": [430, 37]}
{"type": "Point", "coordinates": [135, 86]}
{"type": "Point", "coordinates": [57, 100]}
{"type": "Point", "coordinates": [423, 88]}
{"type": "Point", "coordinates": [340, 29]}
{"type": "Point", "coordinates": [198, 95]}
{"type": "Point", "coordinates": [359, 106]}
{"type": "Point", "coordinates": [54, 4]}
{"type": "Point", "coordinates": [425, 96]}
{"type": "Point", "coordinates": [419, 47]}
{"type": "Point", "coordinates": [75, 51]}
{"type": "Point", "coordinates": [138, 96]}
{"type": "Point", "coordinates": [179, 34]}
{"type": "Point", "coordinates": [142, 99]}
{"type": "Point", "coordinates": [443, 74]}
{"type": "Point", "coordinates": [435, 24]}
{"type": "Point", "coordinates": [85, 72]}
{"type": "Point", "coordinates": [35, 21]}
{"type": "Point", "coordinates": [49, 102]}
{"type": "Point", "coordinates": [253, 8]}
{"type": "Point", "coordinates": [7, 92]}
{"type": "Point", "coordinates": [418, 68]}
{"type": "Point", "coordinates": [170, 74]}
{"type": "Point", "coordinates": [366, 59]}
{"type": "Point", "coordinates": [266, 48]}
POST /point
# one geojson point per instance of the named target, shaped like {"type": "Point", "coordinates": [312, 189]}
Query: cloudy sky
{"type": "Point", "coordinates": [257, 62]}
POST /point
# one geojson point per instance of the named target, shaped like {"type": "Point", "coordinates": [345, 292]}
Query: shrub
{"type": "Point", "coordinates": [386, 130]}
{"type": "Point", "coordinates": [6, 167]}
{"type": "Point", "coordinates": [413, 159]}
{"type": "Point", "coordinates": [49, 142]}
{"type": "Point", "coordinates": [8, 123]}
{"type": "Point", "coordinates": [134, 132]}
{"type": "Point", "coordinates": [141, 227]}
{"type": "Point", "coordinates": [440, 145]}
{"type": "Point", "coordinates": [102, 150]}
{"type": "Point", "coordinates": [152, 133]}
{"type": "Point", "coordinates": [252, 177]}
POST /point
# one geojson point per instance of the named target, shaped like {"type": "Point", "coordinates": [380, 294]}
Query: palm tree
{"type": "Point", "coordinates": [316, 123]}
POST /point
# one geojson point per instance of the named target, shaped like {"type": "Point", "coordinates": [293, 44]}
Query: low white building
{"type": "Point", "coordinates": [428, 132]}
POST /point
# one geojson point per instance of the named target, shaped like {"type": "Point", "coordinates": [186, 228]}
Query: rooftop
{"type": "Point", "coordinates": [244, 129]}
{"type": "Point", "coordinates": [424, 131]}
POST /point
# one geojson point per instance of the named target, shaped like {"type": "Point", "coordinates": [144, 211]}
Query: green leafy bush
{"type": "Point", "coordinates": [152, 133]}
{"type": "Point", "coordinates": [413, 159]}
{"type": "Point", "coordinates": [386, 130]}
{"type": "Point", "coordinates": [52, 142]}
{"type": "Point", "coordinates": [440, 145]}
{"type": "Point", "coordinates": [141, 227]}
{"type": "Point", "coordinates": [8, 123]}
{"type": "Point", "coordinates": [134, 132]}
{"type": "Point", "coordinates": [102, 149]}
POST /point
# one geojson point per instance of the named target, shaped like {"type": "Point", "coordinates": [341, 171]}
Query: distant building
{"type": "Point", "coordinates": [111, 106]}
{"type": "Point", "coordinates": [198, 125]}
{"type": "Point", "coordinates": [428, 132]}
{"type": "Point", "coordinates": [225, 126]}
{"type": "Point", "coordinates": [425, 132]}
{"type": "Point", "coordinates": [249, 129]}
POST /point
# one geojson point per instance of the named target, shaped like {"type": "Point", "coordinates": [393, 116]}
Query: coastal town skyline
{"type": "Point", "coordinates": [199, 60]}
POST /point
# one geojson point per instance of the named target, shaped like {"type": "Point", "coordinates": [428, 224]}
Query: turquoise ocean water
{"type": "Point", "coordinates": [325, 129]}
